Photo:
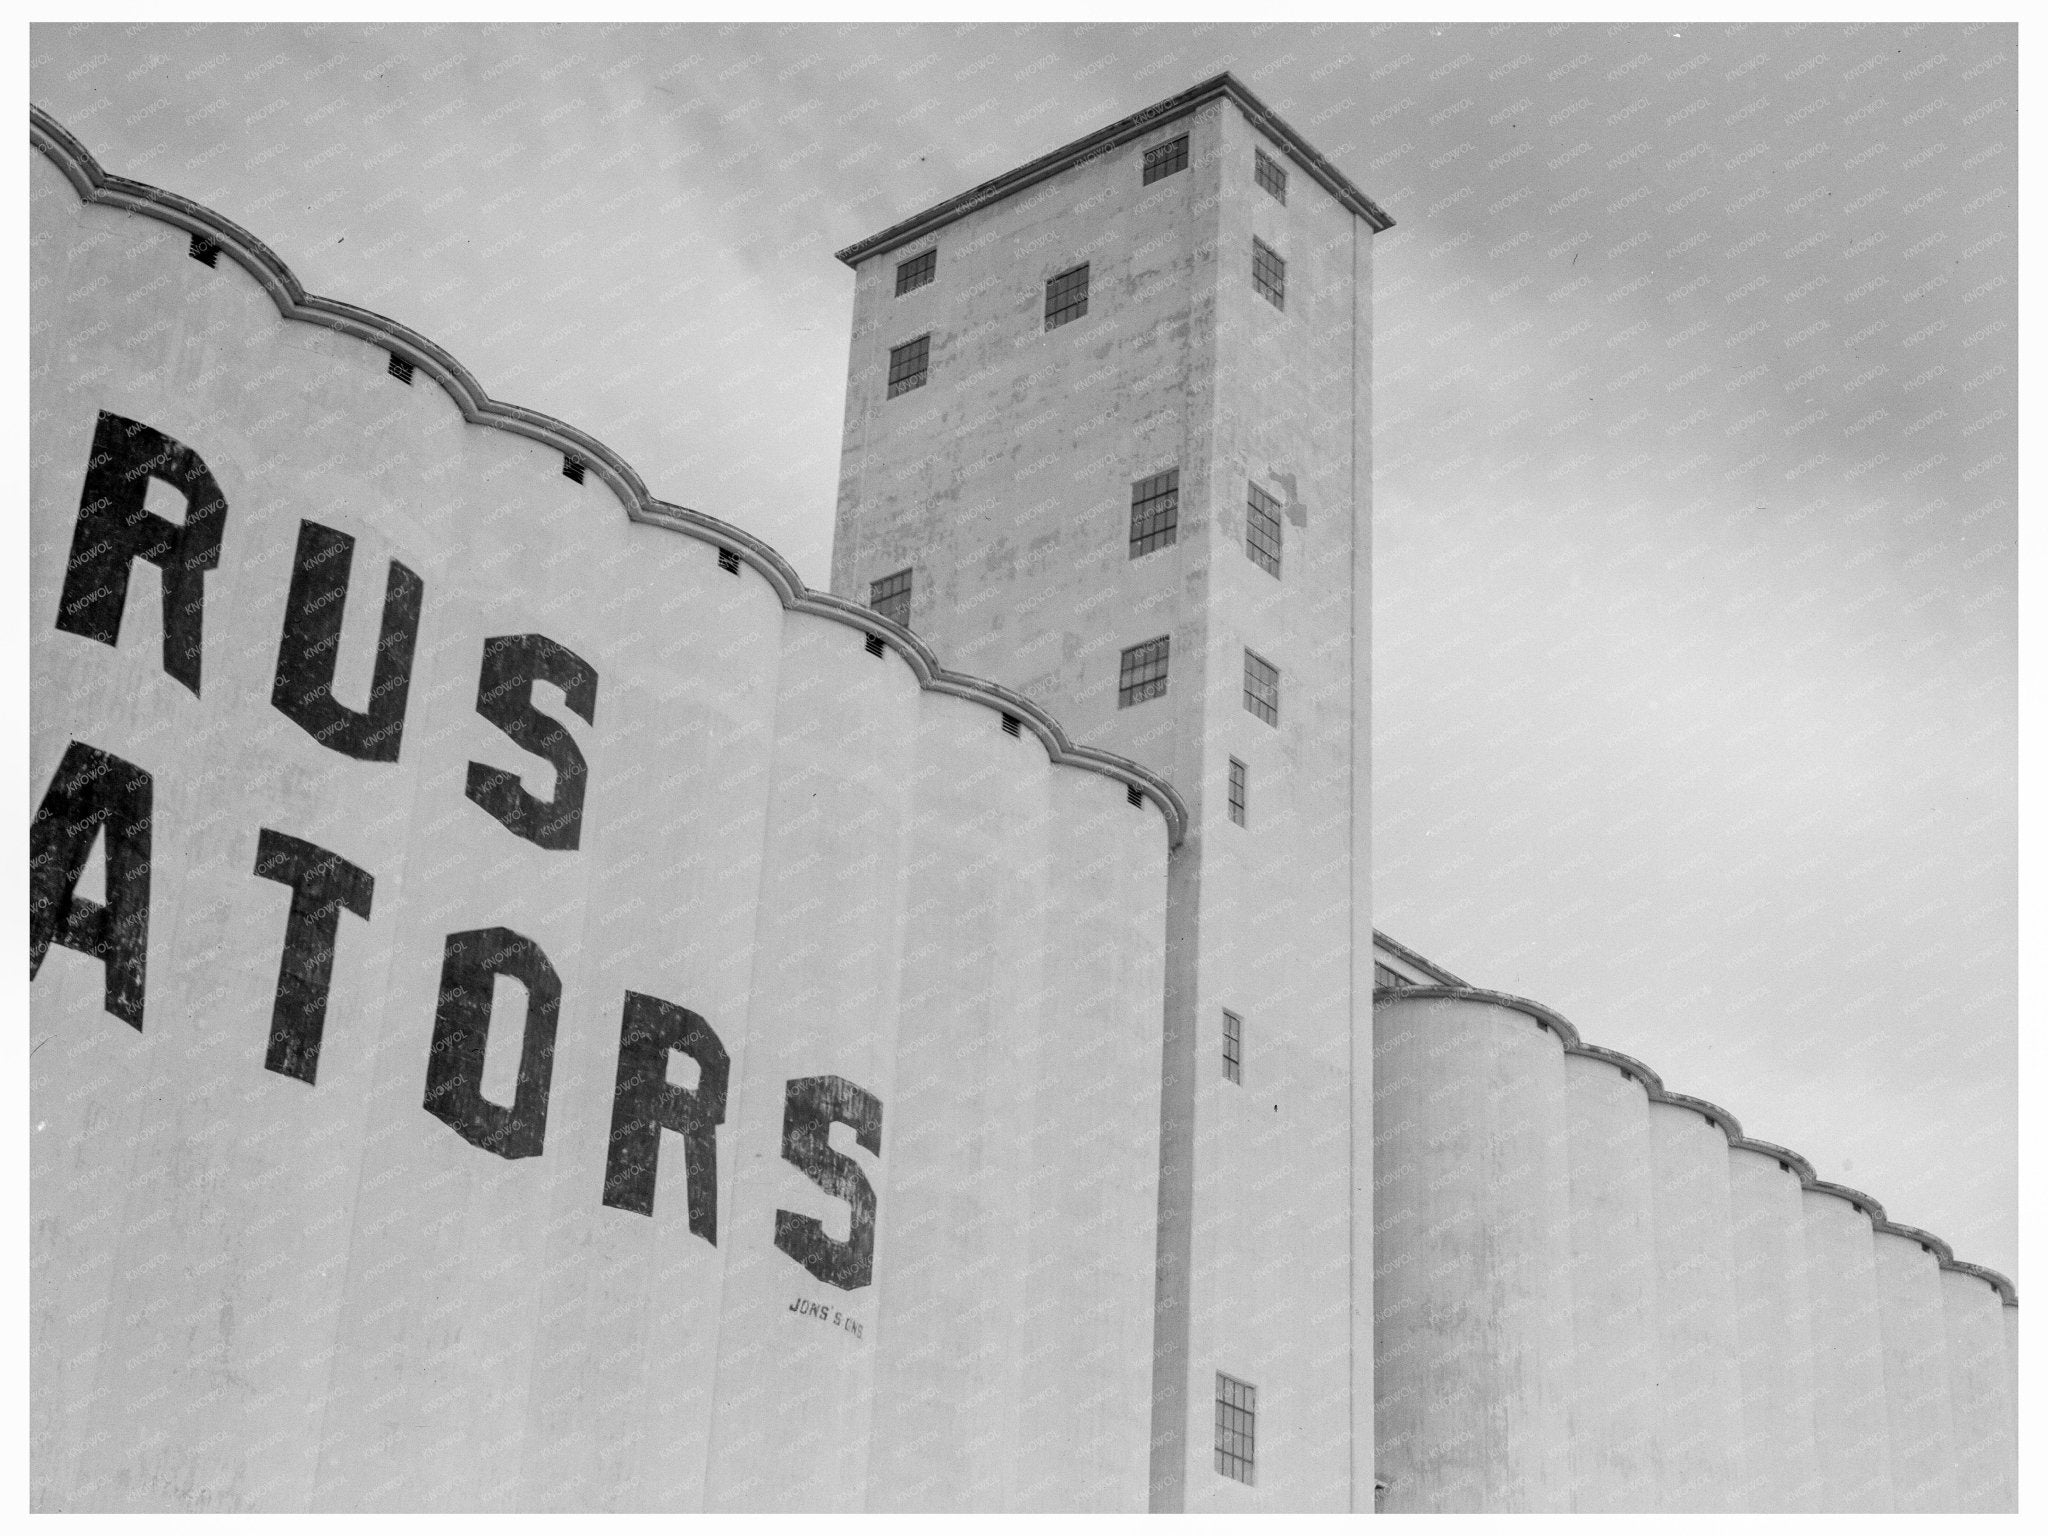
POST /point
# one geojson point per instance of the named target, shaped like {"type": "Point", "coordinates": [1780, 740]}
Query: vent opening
{"type": "Point", "coordinates": [1131, 794]}
{"type": "Point", "coordinates": [728, 561]}
{"type": "Point", "coordinates": [1012, 726]}
{"type": "Point", "coordinates": [399, 369]}
{"type": "Point", "coordinates": [874, 645]}
{"type": "Point", "coordinates": [1783, 1166]}
{"type": "Point", "coordinates": [204, 251]}
{"type": "Point", "coordinates": [572, 469]}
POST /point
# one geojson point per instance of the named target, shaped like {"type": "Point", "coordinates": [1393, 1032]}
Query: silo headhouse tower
{"type": "Point", "coordinates": [1108, 442]}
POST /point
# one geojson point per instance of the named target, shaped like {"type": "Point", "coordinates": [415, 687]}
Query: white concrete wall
{"type": "Point", "coordinates": [1741, 1336]}
{"type": "Point", "coordinates": [253, 1292]}
{"type": "Point", "coordinates": [1616, 1447]}
{"type": "Point", "coordinates": [1779, 1467]}
{"type": "Point", "coordinates": [1916, 1371]}
{"type": "Point", "coordinates": [1980, 1395]}
{"type": "Point", "coordinates": [1852, 1429]}
{"type": "Point", "coordinates": [2010, 1318]}
{"type": "Point", "coordinates": [1474, 1244]}
{"type": "Point", "coordinates": [1700, 1392]}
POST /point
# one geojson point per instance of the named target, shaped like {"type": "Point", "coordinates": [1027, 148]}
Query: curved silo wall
{"type": "Point", "coordinates": [1779, 1464]}
{"type": "Point", "coordinates": [1615, 1444]}
{"type": "Point", "coordinates": [1743, 1336]}
{"type": "Point", "coordinates": [1701, 1417]}
{"type": "Point", "coordinates": [1980, 1396]}
{"type": "Point", "coordinates": [1852, 1427]}
{"type": "Point", "coordinates": [523, 1095]}
{"type": "Point", "coordinates": [1472, 1257]}
{"type": "Point", "coordinates": [1916, 1371]}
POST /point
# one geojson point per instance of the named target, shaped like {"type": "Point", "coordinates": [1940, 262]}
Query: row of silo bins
{"type": "Point", "coordinates": [1594, 1294]}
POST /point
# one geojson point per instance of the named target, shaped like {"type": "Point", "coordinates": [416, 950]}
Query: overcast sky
{"type": "Point", "coordinates": [1695, 569]}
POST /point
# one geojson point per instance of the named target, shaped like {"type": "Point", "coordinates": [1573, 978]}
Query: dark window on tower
{"type": "Point", "coordinates": [1066, 296]}
{"type": "Point", "coordinates": [1240, 795]}
{"type": "Point", "coordinates": [917, 271]}
{"type": "Point", "coordinates": [907, 365]}
{"type": "Point", "coordinates": [1262, 530]}
{"type": "Point", "coordinates": [1236, 1413]}
{"type": "Point", "coordinates": [1164, 159]}
{"type": "Point", "coordinates": [1143, 673]}
{"type": "Point", "coordinates": [1262, 688]}
{"type": "Point", "coordinates": [1155, 511]}
{"type": "Point", "coordinates": [1269, 273]}
{"type": "Point", "coordinates": [1233, 1047]}
{"type": "Point", "coordinates": [1267, 173]}
{"type": "Point", "coordinates": [890, 597]}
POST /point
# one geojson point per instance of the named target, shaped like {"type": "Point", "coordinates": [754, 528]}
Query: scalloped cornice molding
{"type": "Point", "coordinates": [1653, 1088]}
{"type": "Point", "coordinates": [94, 184]}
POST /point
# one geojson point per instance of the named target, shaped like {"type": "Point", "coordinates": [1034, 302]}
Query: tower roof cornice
{"type": "Point", "coordinates": [1269, 122]}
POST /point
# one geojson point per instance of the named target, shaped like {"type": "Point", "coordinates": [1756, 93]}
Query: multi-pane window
{"type": "Point", "coordinates": [1269, 273]}
{"type": "Point", "coordinates": [1267, 173]}
{"type": "Point", "coordinates": [1237, 1405]}
{"type": "Point", "coordinates": [1143, 673]}
{"type": "Point", "coordinates": [1385, 976]}
{"type": "Point", "coordinates": [1066, 296]}
{"type": "Point", "coordinates": [1233, 1047]}
{"type": "Point", "coordinates": [907, 365]}
{"type": "Point", "coordinates": [1262, 688]}
{"type": "Point", "coordinates": [1165, 159]}
{"type": "Point", "coordinates": [1240, 792]}
{"type": "Point", "coordinates": [1262, 530]}
{"type": "Point", "coordinates": [890, 597]}
{"type": "Point", "coordinates": [1155, 511]}
{"type": "Point", "coordinates": [917, 271]}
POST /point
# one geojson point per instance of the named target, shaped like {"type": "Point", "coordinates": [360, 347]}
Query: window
{"type": "Point", "coordinates": [1155, 512]}
{"type": "Point", "coordinates": [917, 271]}
{"type": "Point", "coordinates": [1239, 775]}
{"type": "Point", "coordinates": [1233, 1047]}
{"type": "Point", "coordinates": [1269, 273]}
{"type": "Point", "coordinates": [1262, 688]}
{"type": "Point", "coordinates": [1262, 530]}
{"type": "Point", "coordinates": [1143, 673]}
{"type": "Point", "coordinates": [1066, 296]}
{"type": "Point", "coordinates": [1267, 173]}
{"type": "Point", "coordinates": [890, 597]}
{"type": "Point", "coordinates": [1383, 976]}
{"type": "Point", "coordinates": [1236, 1414]}
{"type": "Point", "coordinates": [1163, 160]}
{"type": "Point", "coordinates": [907, 365]}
